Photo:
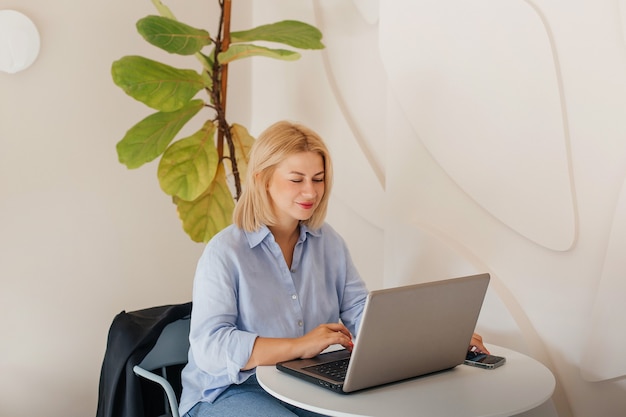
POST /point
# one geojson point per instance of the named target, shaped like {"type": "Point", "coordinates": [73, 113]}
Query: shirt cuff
{"type": "Point", "coordinates": [241, 358]}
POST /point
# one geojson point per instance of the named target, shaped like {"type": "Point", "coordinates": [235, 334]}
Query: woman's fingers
{"type": "Point", "coordinates": [477, 345]}
{"type": "Point", "coordinates": [323, 336]}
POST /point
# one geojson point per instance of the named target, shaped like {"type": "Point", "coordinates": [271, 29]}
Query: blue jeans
{"type": "Point", "coordinates": [249, 400]}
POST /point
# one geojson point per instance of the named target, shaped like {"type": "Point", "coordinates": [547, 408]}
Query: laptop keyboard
{"type": "Point", "coordinates": [335, 370]}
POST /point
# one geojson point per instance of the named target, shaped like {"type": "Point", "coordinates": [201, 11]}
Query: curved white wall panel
{"type": "Point", "coordinates": [352, 45]}
{"type": "Point", "coordinates": [362, 102]}
{"type": "Point", "coordinates": [368, 9]}
{"type": "Point", "coordinates": [487, 89]}
{"type": "Point", "coordinates": [604, 356]}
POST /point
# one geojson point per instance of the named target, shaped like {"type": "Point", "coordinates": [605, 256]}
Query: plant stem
{"type": "Point", "coordinates": [221, 80]}
{"type": "Point", "coordinates": [225, 45]}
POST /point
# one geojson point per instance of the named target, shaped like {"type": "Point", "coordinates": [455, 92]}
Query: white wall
{"type": "Point", "coordinates": [467, 136]}
{"type": "Point", "coordinates": [485, 136]}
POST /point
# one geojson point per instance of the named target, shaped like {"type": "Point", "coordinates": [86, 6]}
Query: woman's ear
{"type": "Point", "coordinates": [258, 181]}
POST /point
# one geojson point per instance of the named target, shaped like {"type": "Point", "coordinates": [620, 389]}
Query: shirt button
{"type": "Point", "coordinates": [293, 271]}
{"type": "Point", "coordinates": [300, 323]}
{"type": "Point", "coordinates": [293, 297]}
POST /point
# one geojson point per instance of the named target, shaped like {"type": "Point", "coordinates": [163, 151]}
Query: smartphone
{"type": "Point", "coordinates": [483, 360]}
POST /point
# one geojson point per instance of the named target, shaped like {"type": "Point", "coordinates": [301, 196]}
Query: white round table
{"type": "Point", "coordinates": [519, 385]}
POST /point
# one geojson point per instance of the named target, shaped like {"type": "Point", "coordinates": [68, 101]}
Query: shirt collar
{"type": "Point", "coordinates": [257, 236]}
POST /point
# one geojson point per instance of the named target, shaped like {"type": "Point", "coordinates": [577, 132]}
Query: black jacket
{"type": "Point", "coordinates": [131, 337]}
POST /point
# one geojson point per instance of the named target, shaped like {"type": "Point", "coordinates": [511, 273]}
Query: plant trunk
{"type": "Point", "coordinates": [223, 133]}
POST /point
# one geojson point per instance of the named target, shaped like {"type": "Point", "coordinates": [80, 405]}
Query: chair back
{"type": "Point", "coordinates": [171, 348]}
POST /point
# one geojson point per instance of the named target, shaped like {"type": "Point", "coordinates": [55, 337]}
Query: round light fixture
{"type": "Point", "coordinates": [19, 41]}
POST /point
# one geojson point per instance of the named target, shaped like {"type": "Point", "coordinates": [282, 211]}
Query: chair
{"type": "Point", "coordinates": [171, 348]}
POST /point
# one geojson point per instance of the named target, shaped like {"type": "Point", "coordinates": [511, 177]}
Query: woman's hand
{"type": "Point", "coordinates": [476, 345]}
{"type": "Point", "coordinates": [323, 336]}
{"type": "Point", "coordinates": [268, 351]}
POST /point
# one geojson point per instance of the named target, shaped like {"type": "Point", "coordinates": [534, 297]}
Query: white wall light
{"type": "Point", "coordinates": [19, 41]}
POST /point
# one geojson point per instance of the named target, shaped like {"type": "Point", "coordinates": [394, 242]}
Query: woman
{"type": "Point", "coordinates": [274, 285]}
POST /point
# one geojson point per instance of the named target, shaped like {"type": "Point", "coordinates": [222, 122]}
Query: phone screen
{"type": "Point", "coordinates": [483, 360]}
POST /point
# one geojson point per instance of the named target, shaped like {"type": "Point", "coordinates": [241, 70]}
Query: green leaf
{"type": "Point", "coordinates": [211, 212]}
{"type": "Point", "coordinates": [207, 63]}
{"type": "Point", "coordinates": [242, 140]}
{"type": "Point", "coordinates": [240, 51]}
{"type": "Point", "coordinates": [173, 36]}
{"type": "Point", "coordinates": [157, 85]}
{"type": "Point", "coordinates": [289, 32]}
{"type": "Point", "coordinates": [188, 166]}
{"type": "Point", "coordinates": [149, 138]}
{"type": "Point", "coordinates": [163, 9]}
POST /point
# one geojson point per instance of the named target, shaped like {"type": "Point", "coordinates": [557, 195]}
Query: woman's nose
{"type": "Point", "coordinates": [308, 189]}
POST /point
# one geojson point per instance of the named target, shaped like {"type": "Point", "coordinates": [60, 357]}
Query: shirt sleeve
{"type": "Point", "coordinates": [354, 291]}
{"type": "Point", "coordinates": [217, 345]}
{"type": "Point", "coordinates": [354, 296]}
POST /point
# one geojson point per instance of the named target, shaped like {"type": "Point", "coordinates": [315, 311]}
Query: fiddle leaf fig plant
{"type": "Point", "coordinates": [203, 172]}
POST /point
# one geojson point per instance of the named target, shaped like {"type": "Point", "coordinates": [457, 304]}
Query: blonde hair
{"type": "Point", "coordinates": [273, 146]}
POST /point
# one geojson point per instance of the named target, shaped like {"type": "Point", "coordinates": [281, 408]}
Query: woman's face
{"type": "Point", "coordinates": [296, 187]}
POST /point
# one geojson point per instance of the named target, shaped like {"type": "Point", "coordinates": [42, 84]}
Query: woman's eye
{"type": "Point", "coordinates": [298, 180]}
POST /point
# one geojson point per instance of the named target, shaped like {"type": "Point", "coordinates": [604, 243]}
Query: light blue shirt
{"type": "Point", "coordinates": [244, 289]}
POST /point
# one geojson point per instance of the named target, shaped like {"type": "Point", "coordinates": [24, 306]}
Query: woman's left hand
{"type": "Point", "coordinates": [476, 345]}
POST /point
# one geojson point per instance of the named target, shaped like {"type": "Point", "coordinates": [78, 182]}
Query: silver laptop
{"type": "Point", "coordinates": [405, 332]}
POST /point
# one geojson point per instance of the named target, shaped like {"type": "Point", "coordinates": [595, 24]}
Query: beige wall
{"type": "Point", "coordinates": [81, 237]}
{"type": "Point", "coordinates": [440, 169]}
